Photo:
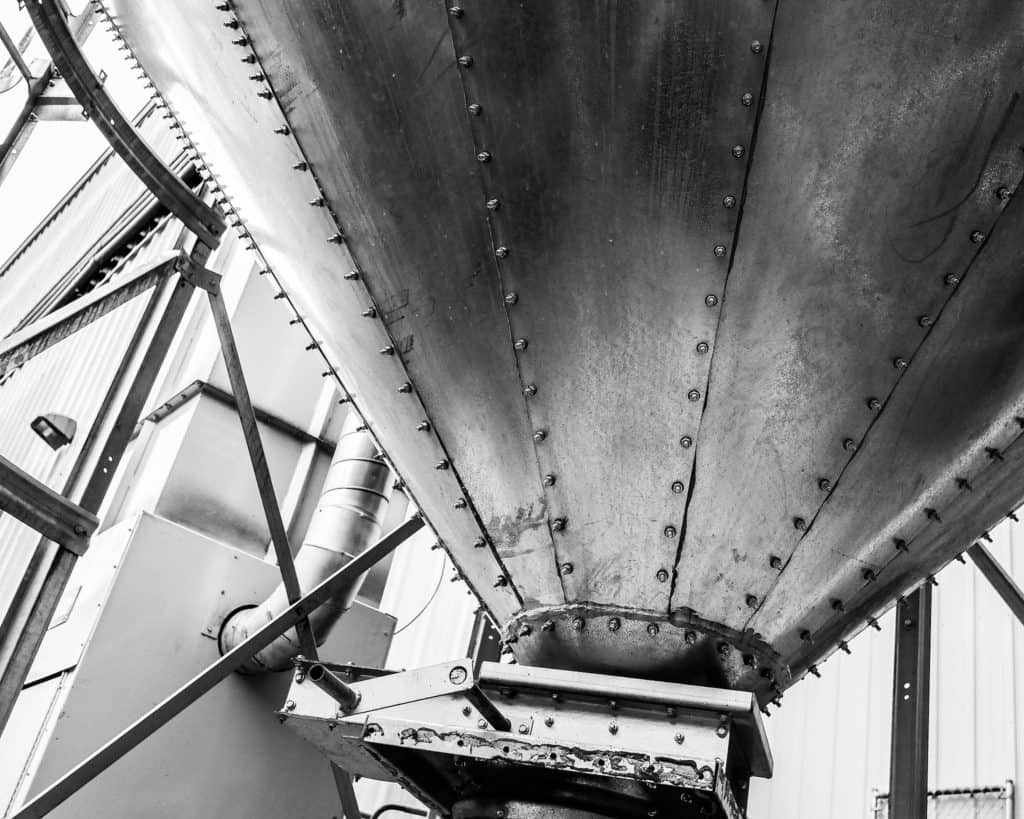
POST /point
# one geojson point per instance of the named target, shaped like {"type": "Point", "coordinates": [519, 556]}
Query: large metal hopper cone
{"type": "Point", "coordinates": [695, 328]}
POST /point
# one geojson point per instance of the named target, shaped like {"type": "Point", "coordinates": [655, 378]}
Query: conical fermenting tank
{"type": "Point", "coordinates": [694, 328]}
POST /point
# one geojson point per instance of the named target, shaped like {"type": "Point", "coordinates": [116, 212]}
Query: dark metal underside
{"type": "Point", "coordinates": [819, 192]}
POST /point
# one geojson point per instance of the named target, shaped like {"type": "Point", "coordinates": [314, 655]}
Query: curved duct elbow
{"type": "Point", "coordinates": [347, 520]}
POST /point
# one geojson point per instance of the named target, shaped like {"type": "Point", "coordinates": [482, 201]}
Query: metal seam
{"type": "Point", "coordinates": [885, 403]}
{"type": "Point", "coordinates": [266, 269]}
{"type": "Point", "coordinates": [501, 294]}
{"type": "Point", "coordinates": [722, 302]}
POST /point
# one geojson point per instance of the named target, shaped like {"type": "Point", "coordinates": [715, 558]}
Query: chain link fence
{"type": "Point", "coordinates": [963, 803]}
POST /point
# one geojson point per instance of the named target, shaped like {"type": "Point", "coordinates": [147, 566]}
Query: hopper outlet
{"type": "Point", "coordinates": [510, 741]}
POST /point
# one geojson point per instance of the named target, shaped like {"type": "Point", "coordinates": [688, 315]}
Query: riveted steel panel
{"type": "Point", "coordinates": [575, 177]}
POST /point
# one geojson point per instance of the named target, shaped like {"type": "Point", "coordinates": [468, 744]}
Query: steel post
{"type": "Point", "coordinates": [26, 622]}
{"type": "Point", "coordinates": [908, 773]}
{"type": "Point", "coordinates": [177, 702]}
{"type": "Point", "coordinates": [253, 442]}
{"type": "Point", "coordinates": [999, 578]}
{"type": "Point", "coordinates": [346, 793]}
{"type": "Point", "coordinates": [48, 512]}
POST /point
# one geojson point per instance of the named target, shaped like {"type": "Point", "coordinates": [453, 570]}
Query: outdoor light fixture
{"type": "Point", "coordinates": [56, 430]}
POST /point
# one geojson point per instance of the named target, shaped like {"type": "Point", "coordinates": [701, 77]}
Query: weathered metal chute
{"type": "Point", "coordinates": [692, 328]}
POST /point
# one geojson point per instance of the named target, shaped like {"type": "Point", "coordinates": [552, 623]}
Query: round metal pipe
{"type": "Point", "coordinates": [347, 520]}
{"type": "Point", "coordinates": [332, 685]}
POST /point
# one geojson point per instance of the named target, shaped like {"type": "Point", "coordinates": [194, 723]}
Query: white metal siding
{"type": "Point", "coordinates": [831, 737]}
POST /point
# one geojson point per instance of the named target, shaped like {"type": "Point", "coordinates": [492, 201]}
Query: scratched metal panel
{"type": "Point", "coordinates": [421, 272]}
{"type": "Point", "coordinates": [611, 138]}
{"type": "Point", "coordinates": [862, 199]}
{"type": "Point", "coordinates": [610, 162]}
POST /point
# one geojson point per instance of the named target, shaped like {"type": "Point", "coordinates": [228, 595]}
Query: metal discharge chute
{"type": "Point", "coordinates": [692, 328]}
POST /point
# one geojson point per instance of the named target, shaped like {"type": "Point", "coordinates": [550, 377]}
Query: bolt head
{"type": "Point", "coordinates": [775, 562]}
{"type": "Point", "coordinates": [524, 728]}
{"type": "Point", "coordinates": [670, 531]}
{"type": "Point", "coordinates": [874, 404]}
{"type": "Point", "coordinates": [849, 445]}
{"type": "Point", "coordinates": [693, 395]}
{"type": "Point", "coordinates": [614, 624]}
{"type": "Point", "coordinates": [481, 723]}
{"type": "Point", "coordinates": [501, 252]}
{"type": "Point", "coordinates": [711, 300]}
{"type": "Point", "coordinates": [558, 524]}
{"type": "Point", "coordinates": [738, 151]}
{"type": "Point", "coordinates": [549, 721]}
{"type": "Point", "coordinates": [460, 503]}
{"type": "Point", "coordinates": [456, 11]}
{"type": "Point", "coordinates": [475, 109]}
{"type": "Point", "coordinates": [686, 442]}
{"type": "Point", "coordinates": [719, 251]}
{"type": "Point", "coordinates": [756, 46]}
{"type": "Point", "coordinates": [678, 487]}
{"type": "Point", "coordinates": [521, 344]}
{"type": "Point", "coordinates": [565, 569]}
{"type": "Point", "coordinates": [79, 529]}
{"type": "Point", "coordinates": [613, 728]}
{"type": "Point", "coordinates": [529, 390]}
{"type": "Point", "coordinates": [925, 321]}
{"type": "Point", "coordinates": [1004, 193]}
{"type": "Point", "coordinates": [652, 629]}
{"type": "Point", "coordinates": [511, 298]}
{"type": "Point", "coordinates": [493, 204]}
{"type": "Point", "coordinates": [690, 638]}
{"type": "Point", "coordinates": [899, 362]}
{"type": "Point", "coordinates": [751, 601]}
{"type": "Point", "coordinates": [722, 731]}
{"type": "Point", "coordinates": [799, 524]}
{"type": "Point", "coordinates": [540, 435]}
{"type": "Point", "coordinates": [824, 484]}
{"type": "Point", "coordinates": [483, 156]}
{"type": "Point", "coordinates": [466, 61]}
{"type": "Point", "coordinates": [466, 711]}
{"type": "Point", "coordinates": [951, 280]}
{"type": "Point", "coordinates": [548, 625]}
{"type": "Point", "coordinates": [290, 705]}
{"type": "Point", "coordinates": [662, 576]}
{"type": "Point", "coordinates": [729, 201]}
{"type": "Point", "coordinates": [977, 237]}
{"type": "Point", "coordinates": [578, 624]}
{"type": "Point", "coordinates": [702, 347]}
{"type": "Point", "coordinates": [747, 99]}
{"type": "Point", "coordinates": [549, 480]}
{"type": "Point", "coordinates": [458, 675]}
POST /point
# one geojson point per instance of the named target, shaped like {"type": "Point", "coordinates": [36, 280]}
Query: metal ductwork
{"type": "Point", "coordinates": [347, 519]}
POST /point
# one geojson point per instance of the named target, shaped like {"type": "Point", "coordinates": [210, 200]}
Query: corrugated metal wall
{"type": "Point", "coordinates": [70, 378]}
{"type": "Point", "coordinates": [831, 737]}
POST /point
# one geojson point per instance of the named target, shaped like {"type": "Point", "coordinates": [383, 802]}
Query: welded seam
{"type": "Point", "coordinates": [741, 206]}
{"type": "Point", "coordinates": [502, 292]}
{"type": "Point", "coordinates": [267, 270]}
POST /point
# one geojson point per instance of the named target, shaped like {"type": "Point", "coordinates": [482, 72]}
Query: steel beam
{"type": "Point", "coordinates": [48, 512]}
{"type": "Point", "coordinates": [253, 442]}
{"type": "Point", "coordinates": [40, 590]}
{"type": "Point", "coordinates": [16, 57]}
{"type": "Point", "coordinates": [49, 20]}
{"type": "Point", "coordinates": [999, 578]}
{"type": "Point", "coordinates": [908, 773]}
{"type": "Point", "coordinates": [58, 325]}
{"type": "Point", "coordinates": [346, 793]}
{"type": "Point", "coordinates": [160, 715]}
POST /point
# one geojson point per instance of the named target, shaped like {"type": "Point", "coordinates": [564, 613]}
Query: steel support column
{"type": "Point", "coordinates": [177, 702]}
{"type": "Point", "coordinates": [258, 458]}
{"type": "Point", "coordinates": [999, 578]}
{"type": "Point", "coordinates": [908, 772]}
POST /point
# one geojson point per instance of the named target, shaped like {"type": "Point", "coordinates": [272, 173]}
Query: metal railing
{"type": "Point", "coordinates": [994, 802]}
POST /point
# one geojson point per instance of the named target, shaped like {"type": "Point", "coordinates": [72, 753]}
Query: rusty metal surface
{"type": "Point", "coordinates": [866, 256]}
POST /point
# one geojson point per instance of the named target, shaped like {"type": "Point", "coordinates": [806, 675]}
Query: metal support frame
{"type": "Point", "coordinates": [38, 595]}
{"type": "Point", "coordinates": [257, 455]}
{"type": "Point", "coordinates": [33, 109]}
{"type": "Point", "coordinates": [202, 219]}
{"type": "Point", "coordinates": [999, 578]}
{"type": "Point", "coordinates": [48, 512]}
{"type": "Point", "coordinates": [173, 705]}
{"type": "Point", "coordinates": [908, 773]}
